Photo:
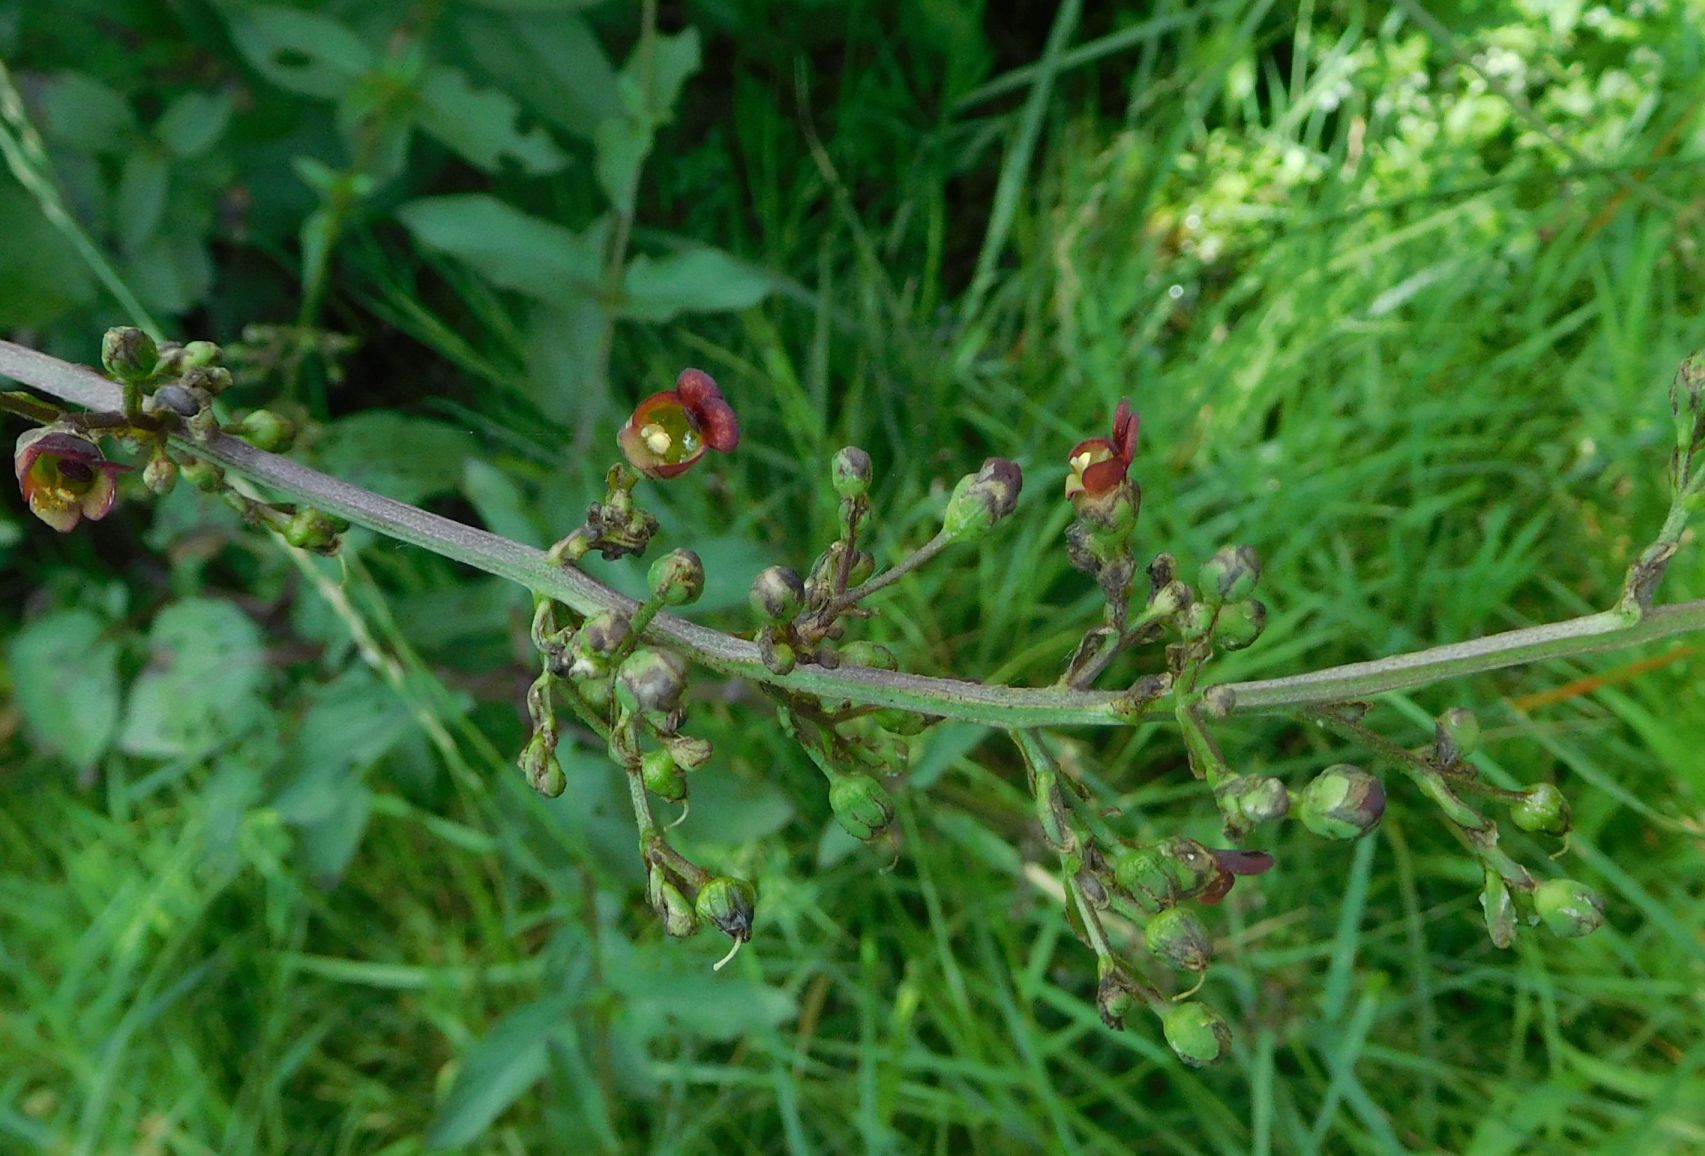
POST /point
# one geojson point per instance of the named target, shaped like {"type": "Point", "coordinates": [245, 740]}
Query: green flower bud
{"type": "Point", "coordinates": [690, 753]}
{"type": "Point", "coordinates": [728, 904]}
{"type": "Point", "coordinates": [1456, 735]}
{"type": "Point", "coordinates": [1169, 598]}
{"type": "Point", "coordinates": [129, 354]}
{"type": "Point", "coordinates": [1197, 620]}
{"type": "Point", "coordinates": [1197, 1033]}
{"type": "Point", "coordinates": [662, 775]}
{"type": "Point", "coordinates": [174, 398]}
{"type": "Point", "coordinates": [1240, 624]}
{"type": "Point", "coordinates": [160, 475]}
{"type": "Point", "coordinates": [677, 577]}
{"type": "Point", "coordinates": [777, 656]}
{"type": "Point", "coordinates": [1567, 908]}
{"type": "Point", "coordinates": [899, 722]}
{"type": "Point", "coordinates": [982, 499]}
{"type": "Point", "coordinates": [862, 806]}
{"type": "Point", "coordinates": [777, 594]}
{"type": "Point", "coordinates": [1542, 810]}
{"type": "Point", "coordinates": [651, 680]}
{"type": "Point", "coordinates": [266, 430]}
{"type": "Point", "coordinates": [604, 633]}
{"type": "Point", "coordinates": [205, 476]}
{"type": "Point", "coordinates": [1179, 938]}
{"type": "Point", "coordinates": [201, 354]}
{"type": "Point", "coordinates": [1342, 802]}
{"type": "Point", "coordinates": [678, 916]}
{"type": "Point", "coordinates": [1231, 574]}
{"type": "Point", "coordinates": [1115, 994]}
{"type": "Point", "coordinates": [1164, 874]}
{"type": "Point", "coordinates": [851, 472]}
{"type": "Point", "coordinates": [1251, 799]}
{"type": "Point", "coordinates": [539, 763]}
{"type": "Point", "coordinates": [311, 529]}
{"type": "Point", "coordinates": [872, 654]}
{"type": "Point", "coordinates": [826, 656]}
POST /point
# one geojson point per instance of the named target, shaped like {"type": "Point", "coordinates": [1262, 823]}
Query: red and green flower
{"type": "Point", "coordinates": [669, 431]}
{"type": "Point", "coordinates": [1098, 464]}
{"type": "Point", "coordinates": [64, 477]}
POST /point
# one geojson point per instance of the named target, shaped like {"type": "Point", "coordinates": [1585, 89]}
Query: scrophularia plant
{"type": "Point", "coordinates": [621, 669]}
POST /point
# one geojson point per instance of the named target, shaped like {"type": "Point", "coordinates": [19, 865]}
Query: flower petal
{"type": "Point", "coordinates": [1103, 476]}
{"type": "Point", "coordinates": [1125, 426]}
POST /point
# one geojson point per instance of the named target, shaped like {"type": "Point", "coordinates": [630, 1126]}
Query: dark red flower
{"type": "Point", "coordinates": [1100, 464]}
{"type": "Point", "coordinates": [669, 431]}
{"type": "Point", "coordinates": [64, 477]}
{"type": "Point", "coordinates": [1228, 866]}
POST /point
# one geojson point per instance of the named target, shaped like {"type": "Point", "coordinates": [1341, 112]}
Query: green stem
{"type": "Point", "coordinates": [996, 706]}
{"type": "Point", "coordinates": [891, 575]}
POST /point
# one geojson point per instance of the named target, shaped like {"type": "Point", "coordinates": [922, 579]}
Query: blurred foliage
{"type": "Point", "coordinates": [1396, 288]}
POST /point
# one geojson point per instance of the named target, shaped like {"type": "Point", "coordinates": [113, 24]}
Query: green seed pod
{"type": "Point", "coordinates": [1115, 994]}
{"type": "Point", "coordinates": [1252, 799]}
{"type": "Point", "coordinates": [311, 529]}
{"type": "Point", "coordinates": [1197, 1033]}
{"type": "Point", "coordinates": [1197, 620]}
{"type": "Point", "coordinates": [1240, 624]}
{"type": "Point", "coordinates": [1542, 810]}
{"type": "Point", "coordinates": [651, 680]}
{"type": "Point", "coordinates": [1164, 874]}
{"type": "Point", "coordinates": [777, 594]}
{"type": "Point", "coordinates": [851, 472]}
{"type": "Point", "coordinates": [1456, 735]}
{"type": "Point", "coordinates": [872, 654]}
{"type": "Point", "coordinates": [728, 904]}
{"type": "Point", "coordinates": [777, 656]}
{"type": "Point", "coordinates": [160, 475]}
{"type": "Point", "coordinates": [679, 919]}
{"type": "Point", "coordinates": [1230, 575]}
{"type": "Point", "coordinates": [1342, 802]}
{"type": "Point", "coordinates": [129, 354]}
{"type": "Point", "coordinates": [1567, 908]}
{"type": "Point", "coordinates": [677, 577]}
{"type": "Point", "coordinates": [662, 775]}
{"type": "Point", "coordinates": [982, 499]}
{"type": "Point", "coordinates": [862, 806]}
{"type": "Point", "coordinates": [266, 430]}
{"type": "Point", "coordinates": [201, 354]}
{"type": "Point", "coordinates": [1179, 938]}
{"type": "Point", "coordinates": [539, 763]}
{"type": "Point", "coordinates": [203, 475]}
{"type": "Point", "coordinates": [604, 633]}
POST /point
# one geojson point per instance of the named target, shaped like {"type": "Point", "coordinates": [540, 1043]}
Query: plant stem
{"type": "Point", "coordinates": [996, 706]}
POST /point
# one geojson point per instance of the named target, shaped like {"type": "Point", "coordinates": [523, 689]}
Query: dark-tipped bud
{"type": "Point", "coordinates": [1342, 802]}
{"type": "Point", "coordinates": [662, 776]}
{"type": "Point", "coordinates": [212, 380]}
{"type": "Point", "coordinates": [1240, 624]}
{"type": "Point", "coordinates": [862, 806]}
{"type": "Point", "coordinates": [651, 680]}
{"type": "Point", "coordinates": [728, 904]}
{"type": "Point", "coordinates": [129, 354]}
{"type": "Point", "coordinates": [311, 529]}
{"type": "Point", "coordinates": [1170, 598]}
{"type": "Point", "coordinates": [982, 499]}
{"type": "Point", "coordinates": [1197, 1033]}
{"type": "Point", "coordinates": [1231, 574]}
{"type": "Point", "coordinates": [539, 763]}
{"type": "Point", "coordinates": [689, 752]}
{"type": "Point", "coordinates": [1251, 799]}
{"type": "Point", "coordinates": [677, 577]}
{"type": "Point", "coordinates": [1456, 735]}
{"type": "Point", "coordinates": [604, 633]}
{"type": "Point", "coordinates": [1115, 994]}
{"type": "Point", "coordinates": [160, 475]}
{"type": "Point", "coordinates": [1542, 810]}
{"type": "Point", "coordinates": [1567, 908]}
{"type": "Point", "coordinates": [1197, 620]}
{"type": "Point", "coordinates": [1164, 874]}
{"type": "Point", "coordinates": [1219, 701]}
{"type": "Point", "coordinates": [851, 472]}
{"type": "Point", "coordinates": [778, 594]}
{"type": "Point", "coordinates": [1180, 938]}
{"type": "Point", "coordinates": [778, 656]}
{"type": "Point", "coordinates": [266, 430]}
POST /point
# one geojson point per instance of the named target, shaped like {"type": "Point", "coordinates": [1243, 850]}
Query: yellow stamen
{"type": "Point", "coordinates": [656, 438]}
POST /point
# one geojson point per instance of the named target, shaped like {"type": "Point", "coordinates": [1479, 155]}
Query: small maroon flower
{"type": "Point", "coordinates": [1100, 464]}
{"type": "Point", "coordinates": [1228, 866]}
{"type": "Point", "coordinates": [669, 431]}
{"type": "Point", "coordinates": [64, 477]}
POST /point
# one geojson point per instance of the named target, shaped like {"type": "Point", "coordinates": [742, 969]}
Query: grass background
{"type": "Point", "coordinates": [1397, 290]}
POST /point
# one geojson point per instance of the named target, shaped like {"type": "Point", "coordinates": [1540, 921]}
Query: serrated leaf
{"type": "Point", "coordinates": [66, 675]}
{"type": "Point", "coordinates": [496, 1072]}
{"type": "Point", "coordinates": [202, 685]}
{"type": "Point", "coordinates": [194, 122]}
{"type": "Point", "coordinates": [303, 52]}
{"type": "Point", "coordinates": [480, 125]}
{"type": "Point", "coordinates": [511, 249]}
{"type": "Point", "coordinates": [699, 280]}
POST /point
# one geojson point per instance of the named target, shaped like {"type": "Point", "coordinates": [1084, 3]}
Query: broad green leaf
{"type": "Point", "coordinates": [479, 124]}
{"type": "Point", "coordinates": [697, 280]}
{"type": "Point", "coordinates": [508, 247]}
{"type": "Point", "coordinates": [496, 1072]}
{"type": "Point", "coordinates": [500, 503]}
{"type": "Point", "coordinates": [671, 61]}
{"type": "Point", "coordinates": [622, 146]}
{"type": "Point", "coordinates": [141, 201]}
{"type": "Point", "coordinates": [66, 675]}
{"type": "Point", "coordinates": [665, 1000]}
{"type": "Point", "coordinates": [564, 375]}
{"type": "Point", "coordinates": [42, 278]}
{"type": "Point", "coordinates": [327, 844]}
{"type": "Point", "coordinates": [727, 808]}
{"type": "Point", "coordinates": [202, 685]}
{"type": "Point", "coordinates": [549, 61]}
{"type": "Point", "coordinates": [79, 111]}
{"type": "Point", "coordinates": [303, 52]}
{"type": "Point", "coordinates": [194, 122]}
{"type": "Point", "coordinates": [403, 457]}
